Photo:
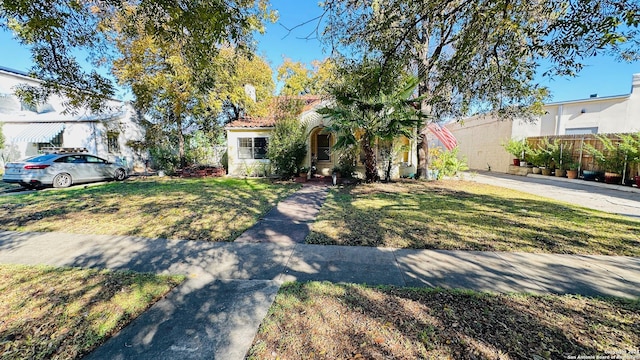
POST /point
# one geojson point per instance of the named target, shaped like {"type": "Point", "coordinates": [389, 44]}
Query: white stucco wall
{"type": "Point", "coordinates": [81, 129]}
{"type": "Point", "coordinates": [239, 167]}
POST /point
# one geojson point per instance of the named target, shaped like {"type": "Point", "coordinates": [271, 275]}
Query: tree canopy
{"type": "Point", "coordinates": [483, 55]}
{"type": "Point", "coordinates": [300, 79]}
{"type": "Point", "coordinates": [57, 31]}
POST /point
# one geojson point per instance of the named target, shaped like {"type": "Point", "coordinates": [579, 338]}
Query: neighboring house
{"type": "Point", "coordinates": [480, 137]}
{"type": "Point", "coordinates": [27, 129]}
{"type": "Point", "coordinates": [248, 138]}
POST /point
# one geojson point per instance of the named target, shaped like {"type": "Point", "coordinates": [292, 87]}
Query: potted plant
{"type": "Point", "coordinates": [517, 148]}
{"type": "Point", "coordinates": [572, 172]}
{"type": "Point", "coordinates": [543, 157]}
{"type": "Point", "coordinates": [630, 146]}
{"type": "Point", "coordinates": [613, 158]}
{"type": "Point", "coordinates": [560, 155]}
{"type": "Point", "coordinates": [534, 157]}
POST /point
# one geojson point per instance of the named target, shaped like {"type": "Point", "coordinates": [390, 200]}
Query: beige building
{"type": "Point", "coordinates": [248, 138]}
{"type": "Point", "coordinates": [480, 137]}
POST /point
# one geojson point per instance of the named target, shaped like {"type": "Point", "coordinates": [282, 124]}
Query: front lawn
{"type": "Point", "coordinates": [63, 313]}
{"type": "Point", "coordinates": [342, 321]}
{"type": "Point", "coordinates": [210, 209]}
{"type": "Point", "coordinates": [460, 215]}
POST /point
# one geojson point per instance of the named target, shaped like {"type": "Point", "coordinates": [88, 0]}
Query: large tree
{"type": "Point", "coordinates": [58, 30]}
{"type": "Point", "coordinates": [483, 55]}
{"type": "Point", "coordinates": [176, 97]}
{"type": "Point", "coordinates": [300, 79]}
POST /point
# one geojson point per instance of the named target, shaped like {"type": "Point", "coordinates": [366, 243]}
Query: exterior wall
{"type": "Point", "coordinates": [83, 129]}
{"type": "Point", "coordinates": [480, 139]}
{"type": "Point", "coordinates": [242, 167]}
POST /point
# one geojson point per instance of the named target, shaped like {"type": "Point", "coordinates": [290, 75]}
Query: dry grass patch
{"type": "Point", "coordinates": [460, 215]}
{"type": "Point", "coordinates": [63, 313]}
{"type": "Point", "coordinates": [212, 209]}
{"type": "Point", "coordinates": [328, 321]}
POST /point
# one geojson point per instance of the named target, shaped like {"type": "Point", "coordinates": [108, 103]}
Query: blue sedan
{"type": "Point", "coordinates": [62, 170]}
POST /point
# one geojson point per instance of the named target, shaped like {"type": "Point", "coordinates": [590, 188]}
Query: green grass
{"type": "Point", "coordinates": [210, 209]}
{"type": "Point", "coordinates": [6, 187]}
{"type": "Point", "coordinates": [459, 215]}
{"type": "Point", "coordinates": [342, 321]}
{"type": "Point", "coordinates": [63, 313]}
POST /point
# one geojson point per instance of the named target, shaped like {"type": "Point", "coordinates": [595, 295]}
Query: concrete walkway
{"type": "Point", "coordinates": [216, 312]}
{"type": "Point", "coordinates": [290, 221]}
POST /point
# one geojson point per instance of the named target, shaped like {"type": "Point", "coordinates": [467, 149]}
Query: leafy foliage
{"type": "Point", "coordinates": [288, 142]}
{"type": "Point", "coordinates": [372, 106]}
{"type": "Point", "coordinates": [483, 55]}
{"type": "Point", "coordinates": [517, 148]}
{"type": "Point", "coordinates": [57, 31]}
{"type": "Point", "coordinates": [616, 153]}
{"type": "Point", "coordinates": [298, 79]}
{"type": "Point", "coordinates": [447, 163]}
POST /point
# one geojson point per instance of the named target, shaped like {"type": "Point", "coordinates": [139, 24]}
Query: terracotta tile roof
{"type": "Point", "coordinates": [252, 122]}
{"type": "Point", "coordinates": [310, 102]}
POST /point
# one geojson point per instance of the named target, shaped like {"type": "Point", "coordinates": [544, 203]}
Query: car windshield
{"type": "Point", "coordinates": [41, 158]}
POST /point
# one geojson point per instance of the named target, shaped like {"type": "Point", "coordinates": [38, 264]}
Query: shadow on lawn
{"type": "Point", "coordinates": [440, 218]}
{"type": "Point", "coordinates": [422, 323]}
{"type": "Point", "coordinates": [196, 209]}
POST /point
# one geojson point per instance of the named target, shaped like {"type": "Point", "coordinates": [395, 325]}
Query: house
{"type": "Point", "coordinates": [480, 137]}
{"type": "Point", "coordinates": [28, 129]}
{"type": "Point", "coordinates": [248, 139]}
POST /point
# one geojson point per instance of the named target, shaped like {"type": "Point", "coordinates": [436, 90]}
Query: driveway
{"type": "Point", "coordinates": [613, 199]}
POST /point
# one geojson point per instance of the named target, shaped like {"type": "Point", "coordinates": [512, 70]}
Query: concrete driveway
{"type": "Point", "coordinates": [615, 199]}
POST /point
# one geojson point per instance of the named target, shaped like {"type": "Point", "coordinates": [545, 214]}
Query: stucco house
{"type": "Point", "coordinates": [27, 129]}
{"type": "Point", "coordinates": [480, 137]}
{"type": "Point", "coordinates": [248, 139]}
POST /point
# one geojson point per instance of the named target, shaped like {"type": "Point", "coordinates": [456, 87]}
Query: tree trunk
{"type": "Point", "coordinates": [371, 171]}
{"type": "Point", "coordinates": [180, 133]}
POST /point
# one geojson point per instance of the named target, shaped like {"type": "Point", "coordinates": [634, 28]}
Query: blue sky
{"type": "Point", "coordinates": [601, 75]}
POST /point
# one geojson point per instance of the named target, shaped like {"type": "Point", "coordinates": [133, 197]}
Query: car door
{"type": "Point", "coordinates": [97, 168]}
{"type": "Point", "coordinates": [74, 165]}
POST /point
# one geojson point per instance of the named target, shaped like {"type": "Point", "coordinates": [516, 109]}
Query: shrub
{"type": "Point", "coordinates": [288, 144]}
{"type": "Point", "coordinates": [447, 163]}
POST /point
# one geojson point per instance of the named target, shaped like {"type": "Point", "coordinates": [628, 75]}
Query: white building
{"type": "Point", "coordinates": [480, 138]}
{"type": "Point", "coordinates": [28, 129]}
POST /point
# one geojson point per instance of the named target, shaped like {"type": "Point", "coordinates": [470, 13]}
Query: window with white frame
{"type": "Point", "coordinates": [252, 148]}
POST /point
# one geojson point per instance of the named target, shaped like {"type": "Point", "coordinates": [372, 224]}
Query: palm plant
{"type": "Point", "coordinates": [614, 156]}
{"type": "Point", "coordinates": [367, 110]}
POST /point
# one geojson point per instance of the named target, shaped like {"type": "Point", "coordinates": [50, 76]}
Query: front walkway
{"type": "Point", "coordinates": [216, 312]}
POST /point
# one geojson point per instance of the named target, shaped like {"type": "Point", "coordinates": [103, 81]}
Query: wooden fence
{"type": "Point", "coordinates": [576, 144]}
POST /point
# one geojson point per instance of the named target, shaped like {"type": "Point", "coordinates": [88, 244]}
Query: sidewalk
{"type": "Point", "coordinates": [216, 312]}
{"type": "Point", "coordinates": [230, 286]}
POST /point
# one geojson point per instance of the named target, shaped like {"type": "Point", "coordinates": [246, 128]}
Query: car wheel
{"type": "Point", "coordinates": [120, 175]}
{"type": "Point", "coordinates": [62, 180]}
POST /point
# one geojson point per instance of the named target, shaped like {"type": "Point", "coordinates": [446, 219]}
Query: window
{"type": "Point", "coordinates": [324, 147]}
{"type": "Point", "coordinates": [581, 131]}
{"type": "Point", "coordinates": [252, 148]}
{"type": "Point", "coordinates": [112, 142]}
